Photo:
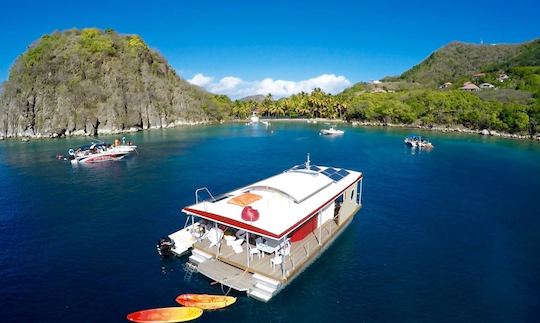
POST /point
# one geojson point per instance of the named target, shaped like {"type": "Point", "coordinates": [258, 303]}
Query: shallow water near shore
{"type": "Point", "coordinates": [449, 235]}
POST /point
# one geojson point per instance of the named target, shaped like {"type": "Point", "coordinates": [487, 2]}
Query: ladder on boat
{"type": "Point", "coordinates": [189, 269]}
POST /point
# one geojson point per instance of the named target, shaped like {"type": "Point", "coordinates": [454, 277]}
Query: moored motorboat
{"type": "Point", "coordinates": [254, 119]}
{"type": "Point", "coordinates": [99, 151]}
{"type": "Point", "coordinates": [331, 132]}
{"type": "Point", "coordinates": [205, 301]}
{"type": "Point", "coordinates": [415, 141]}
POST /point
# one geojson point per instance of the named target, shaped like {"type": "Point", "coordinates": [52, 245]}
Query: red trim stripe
{"type": "Point", "coordinates": [248, 227]}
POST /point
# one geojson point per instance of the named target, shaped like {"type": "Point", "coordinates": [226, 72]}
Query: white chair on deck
{"type": "Point", "coordinates": [276, 261]}
{"type": "Point", "coordinates": [236, 245]}
{"type": "Point", "coordinates": [254, 251]}
{"type": "Point", "coordinates": [230, 240]}
{"type": "Point", "coordinates": [214, 235]}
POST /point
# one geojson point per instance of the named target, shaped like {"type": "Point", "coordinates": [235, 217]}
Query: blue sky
{"type": "Point", "coordinates": [293, 41]}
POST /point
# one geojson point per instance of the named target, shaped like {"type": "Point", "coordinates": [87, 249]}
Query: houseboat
{"type": "Point", "coordinates": [260, 237]}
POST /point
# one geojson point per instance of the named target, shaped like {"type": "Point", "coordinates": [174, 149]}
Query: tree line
{"type": "Point", "coordinates": [426, 107]}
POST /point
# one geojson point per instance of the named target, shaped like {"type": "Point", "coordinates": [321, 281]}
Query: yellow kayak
{"type": "Point", "coordinates": [165, 315]}
{"type": "Point", "coordinates": [205, 301]}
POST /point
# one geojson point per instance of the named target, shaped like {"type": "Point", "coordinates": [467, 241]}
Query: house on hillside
{"type": "Point", "coordinates": [487, 86]}
{"type": "Point", "coordinates": [378, 90]}
{"type": "Point", "coordinates": [470, 87]}
{"type": "Point", "coordinates": [502, 77]}
{"type": "Point", "coordinates": [445, 85]}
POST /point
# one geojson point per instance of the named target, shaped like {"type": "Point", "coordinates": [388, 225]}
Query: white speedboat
{"type": "Point", "coordinates": [331, 132]}
{"type": "Point", "coordinates": [254, 118]}
{"type": "Point", "coordinates": [99, 151]}
{"type": "Point", "coordinates": [415, 141]}
{"type": "Point", "coordinates": [258, 238]}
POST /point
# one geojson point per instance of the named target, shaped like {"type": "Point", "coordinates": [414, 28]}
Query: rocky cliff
{"type": "Point", "coordinates": [90, 82]}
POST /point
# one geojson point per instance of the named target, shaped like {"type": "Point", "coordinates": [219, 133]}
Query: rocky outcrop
{"type": "Point", "coordinates": [90, 82]}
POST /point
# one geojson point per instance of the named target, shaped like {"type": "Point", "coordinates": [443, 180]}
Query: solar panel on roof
{"type": "Point", "coordinates": [336, 177]}
{"type": "Point", "coordinates": [302, 166]}
{"type": "Point", "coordinates": [329, 171]}
{"type": "Point", "coordinates": [315, 168]}
{"type": "Point", "coordinates": [343, 172]}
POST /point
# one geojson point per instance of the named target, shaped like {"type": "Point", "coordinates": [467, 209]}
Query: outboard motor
{"type": "Point", "coordinates": [164, 246]}
{"type": "Point", "coordinates": [71, 157]}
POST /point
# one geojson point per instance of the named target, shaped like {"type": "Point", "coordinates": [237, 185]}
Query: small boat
{"type": "Point", "coordinates": [331, 132]}
{"type": "Point", "coordinates": [254, 118]}
{"type": "Point", "coordinates": [415, 141]}
{"type": "Point", "coordinates": [165, 315]}
{"type": "Point", "coordinates": [205, 301]}
{"type": "Point", "coordinates": [99, 151]}
{"type": "Point", "coordinates": [180, 242]}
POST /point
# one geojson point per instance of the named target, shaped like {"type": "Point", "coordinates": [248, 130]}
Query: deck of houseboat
{"type": "Point", "coordinates": [301, 252]}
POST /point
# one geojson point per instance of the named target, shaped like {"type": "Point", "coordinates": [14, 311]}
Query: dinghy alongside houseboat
{"type": "Point", "coordinates": [260, 237]}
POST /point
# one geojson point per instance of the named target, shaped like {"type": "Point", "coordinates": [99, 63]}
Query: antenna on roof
{"type": "Point", "coordinates": [308, 162]}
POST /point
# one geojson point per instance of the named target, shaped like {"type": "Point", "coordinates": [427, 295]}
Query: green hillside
{"type": "Point", "coordinates": [94, 81]}
{"type": "Point", "coordinates": [457, 62]}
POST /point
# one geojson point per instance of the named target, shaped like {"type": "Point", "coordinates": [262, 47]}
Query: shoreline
{"type": "Point", "coordinates": [446, 129]}
{"type": "Point", "coordinates": [438, 128]}
{"type": "Point", "coordinates": [105, 132]}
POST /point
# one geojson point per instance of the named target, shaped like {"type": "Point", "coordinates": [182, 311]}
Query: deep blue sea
{"type": "Point", "coordinates": [450, 235]}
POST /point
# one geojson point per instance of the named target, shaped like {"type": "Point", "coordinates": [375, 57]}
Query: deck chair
{"type": "Point", "coordinates": [214, 235]}
{"type": "Point", "coordinates": [237, 248]}
{"type": "Point", "coordinates": [277, 260]}
{"type": "Point", "coordinates": [254, 251]}
{"type": "Point", "coordinates": [236, 245]}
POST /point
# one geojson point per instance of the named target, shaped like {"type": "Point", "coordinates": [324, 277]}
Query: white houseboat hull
{"type": "Point", "coordinates": [259, 238]}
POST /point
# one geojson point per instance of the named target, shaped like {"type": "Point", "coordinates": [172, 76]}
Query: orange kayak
{"type": "Point", "coordinates": [165, 315]}
{"type": "Point", "coordinates": [205, 301]}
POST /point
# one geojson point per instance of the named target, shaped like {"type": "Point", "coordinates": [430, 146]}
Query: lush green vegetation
{"type": "Point", "coordinates": [412, 107]}
{"type": "Point", "coordinates": [91, 79]}
{"type": "Point", "coordinates": [414, 98]}
{"type": "Point", "coordinates": [85, 79]}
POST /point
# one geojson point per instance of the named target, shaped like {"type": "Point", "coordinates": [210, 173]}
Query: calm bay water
{"type": "Point", "coordinates": [451, 235]}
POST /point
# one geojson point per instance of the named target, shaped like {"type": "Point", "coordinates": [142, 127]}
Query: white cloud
{"type": "Point", "coordinates": [226, 84]}
{"type": "Point", "coordinates": [201, 80]}
{"type": "Point", "coordinates": [238, 88]}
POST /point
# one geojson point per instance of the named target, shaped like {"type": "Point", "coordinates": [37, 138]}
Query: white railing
{"type": "Point", "coordinates": [197, 196]}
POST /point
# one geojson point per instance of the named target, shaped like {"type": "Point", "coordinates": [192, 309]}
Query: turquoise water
{"type": "Point", "coordinates": [450, 235]}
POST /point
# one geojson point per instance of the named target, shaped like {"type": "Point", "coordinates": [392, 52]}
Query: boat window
{"type": "Point", "coordinates": [352, 195]}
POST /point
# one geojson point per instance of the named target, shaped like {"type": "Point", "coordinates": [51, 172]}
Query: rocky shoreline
{"type": "Point", "coordinates": [484, 132]}
{"type": "Point", "coordinates": [75, 133]}
{"type": "Point", "coordinates": [443, 129]}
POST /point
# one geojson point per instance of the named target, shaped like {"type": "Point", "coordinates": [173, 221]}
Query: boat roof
{"type": "Point", "coordinates": [284, 201]}
{"type": "Point", "coordinates": [97, 143]}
